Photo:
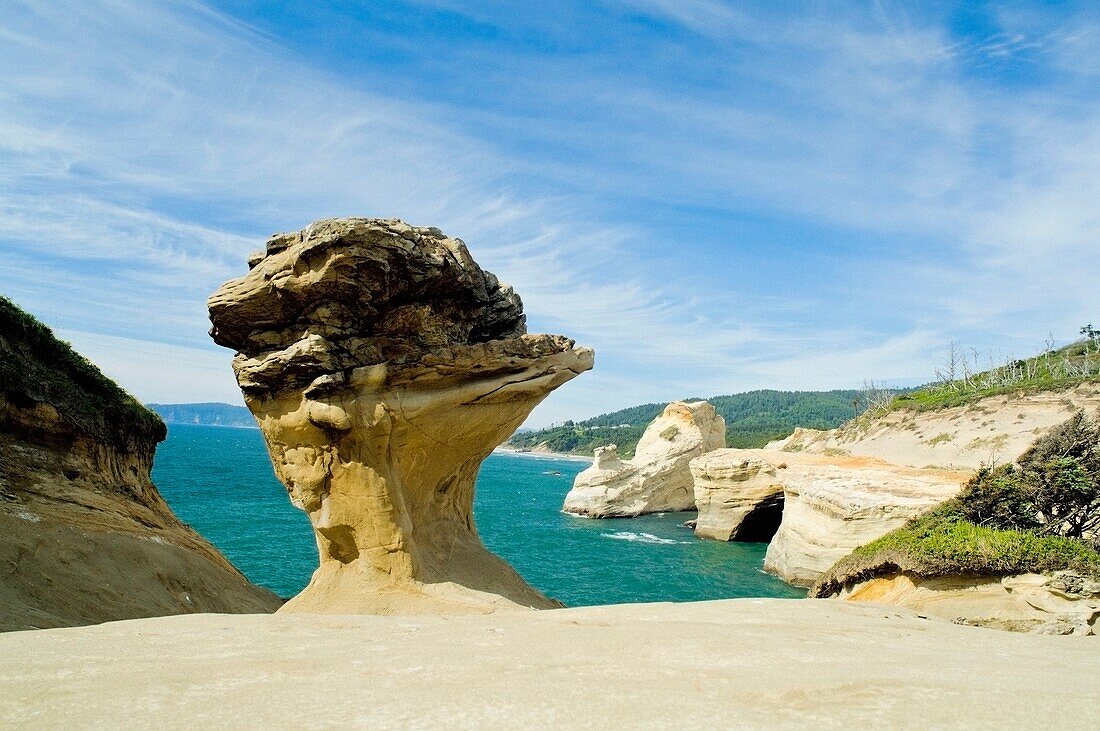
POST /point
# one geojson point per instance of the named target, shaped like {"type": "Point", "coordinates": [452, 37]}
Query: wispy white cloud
{"type": "Point", "coordinates": [145, 149]}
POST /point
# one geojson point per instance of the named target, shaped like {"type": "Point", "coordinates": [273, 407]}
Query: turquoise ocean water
{"type": "Point", "coordinates": [220, 481]}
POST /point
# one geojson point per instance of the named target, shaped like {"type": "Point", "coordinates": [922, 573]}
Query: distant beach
{"type": "Point", "coordinates": [505, 449]}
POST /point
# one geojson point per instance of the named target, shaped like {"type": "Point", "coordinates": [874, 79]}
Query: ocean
{"type": "Point", "coordinates": [220, 481]}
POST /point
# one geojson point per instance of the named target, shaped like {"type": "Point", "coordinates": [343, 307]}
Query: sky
{"type": "Point", "coordinates": [716, 197]}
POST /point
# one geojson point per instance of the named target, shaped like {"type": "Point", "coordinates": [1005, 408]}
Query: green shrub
{"type": "Point", "coordinates": [1031, 518]}
{"type": "Point", "coordinates": [1061, 473]}
{"type": "Point", "coordinates": [943, 543]}
{"type": "Point", "coordinates": [998, 498]}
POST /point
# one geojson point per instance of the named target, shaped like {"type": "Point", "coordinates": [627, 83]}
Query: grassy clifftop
{"type": "Point", "coordinates": [941, 543]}
{"type": "Point", "coordinates": [752, 420]}
{"type": "Point", "coordinates": [37, 367]}
{"type": "Point", "coordinates": [1053, 370]}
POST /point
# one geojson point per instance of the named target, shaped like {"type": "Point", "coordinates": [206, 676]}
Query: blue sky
{"type": "Point", "coordinates": [716, 197]}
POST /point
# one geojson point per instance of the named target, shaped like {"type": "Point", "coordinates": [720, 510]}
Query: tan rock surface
{"type": "Point", "coordinates": [730, 485]}
{"type": "Point", "coordinates": [750, 663]}
{"type": "Point", "coordinates": [85, 536]}
{"type": "Point", "coordinates": [1064, 603]}
{"type": "Point", "coordinates": [831, 505]}
{"type": "Point", "coordinates": [657, 478]}
{"type": "Point", "coordinates": [996, 429]}
{"type": "Point", "coordinates": [383, 365]}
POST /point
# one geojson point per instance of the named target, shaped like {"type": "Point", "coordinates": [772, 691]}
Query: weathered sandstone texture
{"type": "Point", "coordinates": [657, 478]}
{"type": "Point", "coordinates": [1064, 603]}
{"type": "Point", "coordinates": [995, 429]}
{"type": "Point", "coordinates": [383, 365]}
{"type": "Point", "coordinates": [85, 536]}
{"type": "Point", "coordinates": [730, 486]}
{"type": "Point", "coordinates": [814, 509]}
{"type": "Point", "coordinates": [753, 663]}
{"type": "Point", "coordinates": [833, 505]}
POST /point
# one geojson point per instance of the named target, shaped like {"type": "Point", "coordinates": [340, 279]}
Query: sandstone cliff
{"type": "Point", "coordinates": [732, 487]}
{"type": "Point", "coordinates": [383, 365]}
{"type": "Point", "coordinates": [818, 507]}
{"type": "Point", "coordinates": [994, 429]}
{"type": "Point", "coordinates": [84, 535]}
{"type": "Point", "coordinates": [657, 478]}
{"type": "Point", "coordinates": [1064, 603]}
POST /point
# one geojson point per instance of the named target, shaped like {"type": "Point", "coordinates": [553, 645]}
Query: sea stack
{"type": "Point", "coordinates": [657, 478]}
{"type": "Point", "coordinates": [383, 365]}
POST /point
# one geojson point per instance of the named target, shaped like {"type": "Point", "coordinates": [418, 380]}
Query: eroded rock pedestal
{"type": "Point", "coordinates": [383, 365]}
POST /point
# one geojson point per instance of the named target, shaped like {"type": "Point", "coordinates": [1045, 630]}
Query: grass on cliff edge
{"type": "Point", "coordinates": [941, 543]}
{"type": "Point", "coordinates": [37, 367]}
{"type": "Point", "coordinates": [1060, 369]}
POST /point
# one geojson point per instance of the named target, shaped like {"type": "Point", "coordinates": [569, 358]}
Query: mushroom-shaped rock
{"type": "Point", "coordinates": [383, 365]}
{"type": "Point", "coordinates": [657, 478]}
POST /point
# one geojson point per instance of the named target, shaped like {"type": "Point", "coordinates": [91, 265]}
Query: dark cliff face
{"type": "Point", "coordinates": [37, 368]}
{"type": "Point", "coordinates": [85, 535]}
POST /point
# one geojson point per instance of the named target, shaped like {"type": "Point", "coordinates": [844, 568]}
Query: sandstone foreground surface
{"type": "Point", "coordinates": [734, 663]}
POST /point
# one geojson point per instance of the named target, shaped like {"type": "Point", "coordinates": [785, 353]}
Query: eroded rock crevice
{"type": "Point", "coordinates": [383, 365]}
{"type": "Point", "coordinates": [762, 522]}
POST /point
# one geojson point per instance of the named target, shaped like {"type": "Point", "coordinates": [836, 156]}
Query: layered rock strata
{"type": "Point", "coordinates": [731, 486]}
{"type": "Point", "coordinates": [1064, 603]}
{"type": "Point", "coordinates": [658, 477]}
{"type": "Point", "coordinates": [383, 365]}
{"type": "Point", "coordinates": [85, 537]}
{"type": "Point", "coordinates": [832, 505]}
{"type": "Point", "coordinates": [997, 429]}
{"type": "Point", "coordinates": [815, 509]}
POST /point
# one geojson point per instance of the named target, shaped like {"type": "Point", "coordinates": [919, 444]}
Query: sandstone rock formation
{"type": "Point", "coordinates": [657, 478]}
{"type": "Point", "coordinates": [1065, 603]}
{"type": "Point", "coordinates": [818, 507]}
{"type": "Point", "coordinates": [731, 487]}
{"type": "Point", "coordinates": [995, 429]}
{"type": "Point", "coordinates": [832, 505]}
{"type": "Point", "coordinates": [383, 365]}
{"type": "Point", "coordinates": [85, 536]}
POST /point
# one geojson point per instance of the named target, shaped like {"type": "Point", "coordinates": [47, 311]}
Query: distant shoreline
{"type": "Point", "coordinates": [505, 449]}
{"type": "Point", "coordinates": [219, 426]}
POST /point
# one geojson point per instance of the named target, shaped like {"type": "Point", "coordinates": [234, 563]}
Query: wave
{"type": "Point", "coordinates": [626, 535]}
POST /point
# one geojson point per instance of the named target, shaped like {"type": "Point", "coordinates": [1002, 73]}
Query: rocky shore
{"type": "Point", "coordinates": [657, 479]}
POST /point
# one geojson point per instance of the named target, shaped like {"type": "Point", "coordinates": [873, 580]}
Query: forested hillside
{"type": "Point", "coordinates": [752, 420]}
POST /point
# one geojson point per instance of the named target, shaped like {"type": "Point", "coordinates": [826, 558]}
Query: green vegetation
{"type": "Point", "coordinates": [1031, 518]}
{"type": "Point", "coordinates": [960, 383]}
{"type": "Point", "coordinates": [940, 543]}
{"type": "Point", "coordinates": [752, 420]}
{"type": "Point", "coordinates": [1055, 490]}
{"type": "Point", "coordinates": [36, 367]}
